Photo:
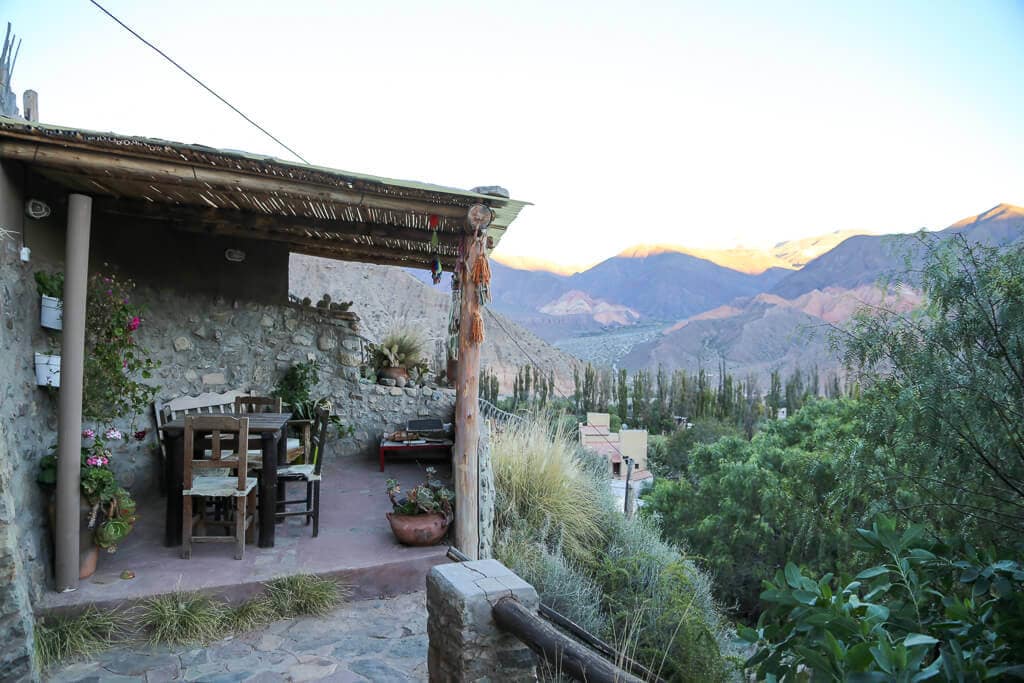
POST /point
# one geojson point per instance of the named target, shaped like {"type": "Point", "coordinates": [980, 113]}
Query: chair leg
{"type": "Point", "coordinates": [309, 502]}
{"type": "Point", "coordinates": [240, 526]}
{"type": "Point", "coordinates": [250, 531]}
{"type": "Point", "coordinates": [186, 528]}
{"type": "Point", "coordinates": [316, 509]}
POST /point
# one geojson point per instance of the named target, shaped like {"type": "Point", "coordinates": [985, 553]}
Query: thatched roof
{"type": "Point", "coordinates": [311, 209]}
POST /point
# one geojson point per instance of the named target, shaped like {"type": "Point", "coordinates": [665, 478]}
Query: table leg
{"type": "Point", "coordinates": [282, 460]}
{"type": "Point", "coordinates": [173, 469]}
{"type": "Point", "coordinates": [268, 489]}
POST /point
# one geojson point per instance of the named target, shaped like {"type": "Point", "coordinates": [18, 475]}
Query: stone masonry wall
{"type": "Point", "coordinates": [209, 344]}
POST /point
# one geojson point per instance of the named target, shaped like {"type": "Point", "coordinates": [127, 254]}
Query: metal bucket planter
{"type": "Point", "coordinates": [419, 529]}
{"type": "Point", "coordinates": [47, 370]}
{"type": "Point", "coordinates": [51, 312]}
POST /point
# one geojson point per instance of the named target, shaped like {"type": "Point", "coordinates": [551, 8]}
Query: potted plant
{"type": "Point", "coordinates": [400, 352]}
{"type": "Point", "coordinates": [108, 509]}
{"type": "Point", "coordinates": [422, 516]}
{"type": "Point", "coordinates": [51, 295]}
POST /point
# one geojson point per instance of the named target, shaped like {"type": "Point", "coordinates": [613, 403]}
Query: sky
{"type": "Point", "coordinates": [709, 125]}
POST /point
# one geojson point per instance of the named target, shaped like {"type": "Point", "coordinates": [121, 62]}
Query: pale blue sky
{"type": "Point", "coordinates": [704, 124]}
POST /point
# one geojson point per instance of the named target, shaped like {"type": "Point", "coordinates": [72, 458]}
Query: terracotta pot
{"type": "Point", "coordinates": [87, 560]}
{"type": "Point", "coordinates": [393, 373]}
{"type": "Point", "coordinates": [418, 529]}
{"type": "Point", "coordinates": [88, 551]}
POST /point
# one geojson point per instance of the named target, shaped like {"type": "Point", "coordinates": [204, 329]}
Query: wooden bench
{"type": "Point", "coordinates": [215, 404]}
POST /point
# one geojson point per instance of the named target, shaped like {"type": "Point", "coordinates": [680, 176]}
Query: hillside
{"type": "Point", "coordinates": [866, 259]}
{"type": "Point", "coordinates": [385, 297]}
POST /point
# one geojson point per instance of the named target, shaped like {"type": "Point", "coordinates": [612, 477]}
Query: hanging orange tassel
{"type": "Point", "coordinates": [476, 329]}
{"type": "Point", "coordinates": [481, 271]}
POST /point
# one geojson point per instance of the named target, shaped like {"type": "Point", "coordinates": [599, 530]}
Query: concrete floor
{"type": "Point", "coordinates": [355, 544]}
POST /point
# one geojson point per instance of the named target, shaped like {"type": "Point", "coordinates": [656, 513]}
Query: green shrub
{"type": "Point", "coordinates": [304, 594]}
{"type": "Point", "coordinates": [61, 638]}
{"type": "Point", "coordinates": [630, 587]}
{"type": "Point", "coordinates": [748, 507]}
{"type": "Point", "coordinates": [182, 618]}
{"type": "Point", "coordinates": [927, 611]}
{"type": "Point", "coordinates": [538, 480]}
{"type": "Point", "coordinates": [250, 615]}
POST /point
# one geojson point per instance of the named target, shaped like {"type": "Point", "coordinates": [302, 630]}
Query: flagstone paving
{"type": "Point", "coordinates": [371, 640]}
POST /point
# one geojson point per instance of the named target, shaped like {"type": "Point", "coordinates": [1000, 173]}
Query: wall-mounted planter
{"type": "Point", "coordinates": [51, 312]}
{"type": "Point", "coordinates": [47, 370]}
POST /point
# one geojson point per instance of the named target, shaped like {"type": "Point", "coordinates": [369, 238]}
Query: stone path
{"type": "Point", "coordinates": [371, 640]}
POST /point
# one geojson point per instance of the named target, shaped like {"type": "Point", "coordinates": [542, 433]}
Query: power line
{"type": "Point", "coordinates": [203, 85]}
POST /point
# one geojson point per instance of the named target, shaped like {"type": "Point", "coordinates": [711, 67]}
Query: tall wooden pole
{"type": "Point", "coordinates": [467, 424]}
{"type": "Point", "coordinates": [69, 419]}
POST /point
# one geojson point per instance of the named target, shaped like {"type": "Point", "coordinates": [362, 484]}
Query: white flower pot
{"type": "Point", "coordinates": [51, 313]}
{"type": "Point", "coordinates": [47, 370]}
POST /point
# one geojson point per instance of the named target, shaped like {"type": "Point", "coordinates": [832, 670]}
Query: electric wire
{"type": "Point", "coordinates": [201, 84]}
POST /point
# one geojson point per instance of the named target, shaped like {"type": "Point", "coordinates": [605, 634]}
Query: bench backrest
{"type": "Point", "coordinates": [203, 404]}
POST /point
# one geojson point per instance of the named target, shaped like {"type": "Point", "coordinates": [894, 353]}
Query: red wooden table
{"type": "Point", "coordinates": [402, 447]}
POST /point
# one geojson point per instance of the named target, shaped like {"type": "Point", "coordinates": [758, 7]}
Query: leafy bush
{"type": "Point", "coordinates": [920, 614]}
{"type": "Point", "coordinates": [50, 284]}
{"type": "Point", "coordinates": [748, 507]}
{"type": "Point", "coordinates": [673, 459]}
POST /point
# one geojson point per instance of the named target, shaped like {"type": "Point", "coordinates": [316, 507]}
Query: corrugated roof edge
{"type": "Point", "coordinates": [50, 130]}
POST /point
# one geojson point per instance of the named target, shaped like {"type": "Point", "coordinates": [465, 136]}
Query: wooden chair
{"type": "Point", "coordinates": [309, 473]}
{"type": "Point", "coordinates": [257, 404]}
{"type": "Point", "coordinates": [239, 486]}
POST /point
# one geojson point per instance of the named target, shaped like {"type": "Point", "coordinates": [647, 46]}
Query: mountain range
{"type": "Point", "coordinates": [757, 310]}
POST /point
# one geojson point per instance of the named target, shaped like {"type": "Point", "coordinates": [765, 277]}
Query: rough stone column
{"type": "Point", "coordinates": [465, 643]}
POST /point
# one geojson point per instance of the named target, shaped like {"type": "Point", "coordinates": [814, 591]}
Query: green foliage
{"type": "Point", "coordinates": [538, 480]}
{"type": "Point", "coordinates": [182, 618]}
{"type": "Point", "coordinates": [250, 615]}
{"type": "Point", "coordinates": [295, 387]}
{"type": "Point", "coordinates": [674, 459]}
{"type": "Point", "coordinates": [59, 639]}
{"type": "Point", "coordinates": [427, 498]}
{"type": "Point", "coordinates": [942, 437]}
{"type": "Point", "coordinates": [113, 356]}
{"type": "Point", "coordinates": [304, 594]}
{"type": "Point", "coordinates": [400, 349]}
{"type": "Point", "coordinates": [748, 507]}
{"type": "Point", "coordinates": [559, 527]}
{"type": "Point", "coordinates": [919, 614]}
{"type": "Point", "coordinates": [50, 284]}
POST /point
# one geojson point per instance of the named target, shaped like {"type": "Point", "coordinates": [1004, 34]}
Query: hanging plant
{"type": "Point", "coordinates": [113, 357]}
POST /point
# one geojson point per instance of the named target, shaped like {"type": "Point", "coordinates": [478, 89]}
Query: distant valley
{"type": "Point", "coordinates": [681, 308]}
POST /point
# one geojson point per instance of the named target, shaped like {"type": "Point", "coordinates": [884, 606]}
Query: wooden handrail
{"type": "Point", "coordinates": [559, 650]}
{"type": "Point", "coordinates": [580, 633]}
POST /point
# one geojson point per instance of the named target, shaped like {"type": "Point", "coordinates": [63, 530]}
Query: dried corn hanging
{"type": "Point", "coordinates": [476, 329]}
{"type": "Point", "coordinates": [481, 277]}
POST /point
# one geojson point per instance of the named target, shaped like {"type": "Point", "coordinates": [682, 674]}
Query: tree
{"type": "Point", "coordinates": [945, 405]}
{"type": "Point", "coordinates": [622, 398]}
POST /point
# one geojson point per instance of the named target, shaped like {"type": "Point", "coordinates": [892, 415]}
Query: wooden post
{"type": "Point", "coordinates": [465, 461]}
{"type": "Point", "coordinates": [69, 402]}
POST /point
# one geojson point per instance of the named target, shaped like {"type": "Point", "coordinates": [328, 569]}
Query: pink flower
{"type": "Point", "coordinates": [113, 434]}
{"type": "Point", "coordinates": [140, 435]}
{"type": "Point", "coordinates": [134, 324]}
{"type": "Point", "coordinates": [92, 461]}
{"type": "Point", "coordinates": [88, 434]}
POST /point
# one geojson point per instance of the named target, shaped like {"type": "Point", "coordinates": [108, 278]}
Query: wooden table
{"type": "Point", "coordinates": [402, 447]}
{"type": "Point", "coordinates": [271, 429]}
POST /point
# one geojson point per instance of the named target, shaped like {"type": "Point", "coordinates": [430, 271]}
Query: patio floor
{"type": "Point", "coordinates": [355, 543]}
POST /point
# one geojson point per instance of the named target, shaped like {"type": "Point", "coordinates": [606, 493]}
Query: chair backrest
{"type": "Point", "coordinates": [216, 426]}
{"type": "Point", "coordinates": [318, 438]}
{"type": "Point", "coordinates": [257, 404]}
{"type": "Point", "coordinates": [204, 404]}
